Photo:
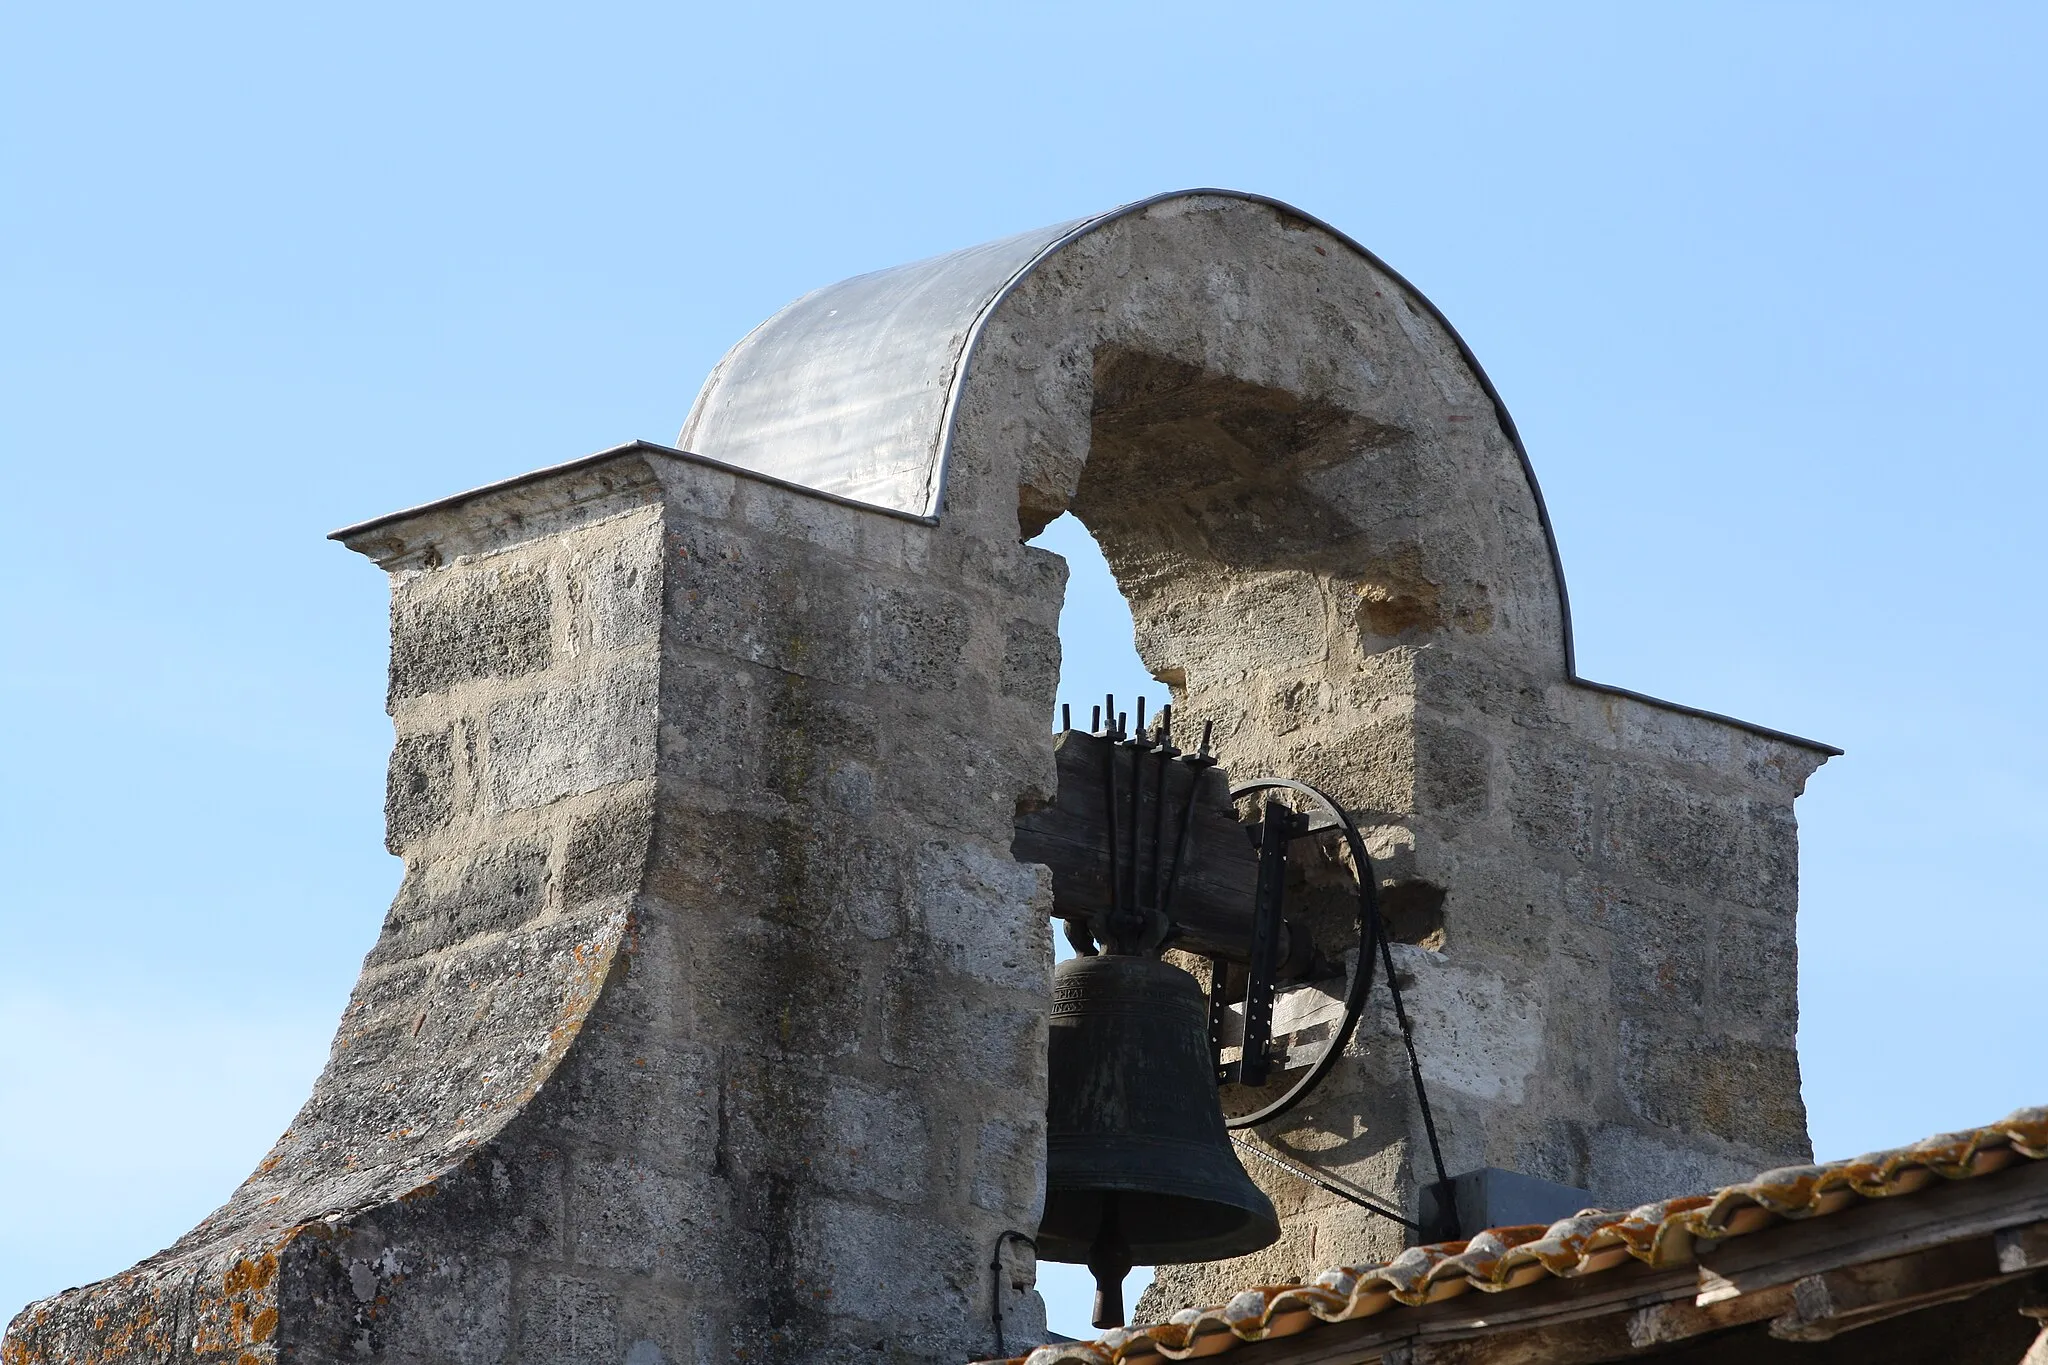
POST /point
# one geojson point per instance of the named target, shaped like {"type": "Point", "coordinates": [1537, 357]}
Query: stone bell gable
{"type": "Point", "coordinates": [709, 1021]}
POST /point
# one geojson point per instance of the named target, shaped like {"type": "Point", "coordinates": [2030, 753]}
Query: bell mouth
{"type": "Point", "coordinates": [1184, 1210]}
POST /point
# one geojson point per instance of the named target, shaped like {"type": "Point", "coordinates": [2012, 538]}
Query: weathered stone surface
{"type": "Point", "coordinates": [619, 1080]}
{"type": "Point", "coordinates": [1332, 550]}
{"type": "Point", "coordinates": [585, 735]}
{"type": "Point", "coordinates": [419, 787]}
{"type": "Point", "coordinates": [1742, 1092]}
{"type": "Point", "coordinates": [488, 623]}
{"type": "Point", "coordinates": [709, 1023]}
{"type": "Point", "coordinates": [451, 901]}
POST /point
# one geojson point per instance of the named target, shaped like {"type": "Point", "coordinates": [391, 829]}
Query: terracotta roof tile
{"type": "Point", "coordinates": [1504, 1259]}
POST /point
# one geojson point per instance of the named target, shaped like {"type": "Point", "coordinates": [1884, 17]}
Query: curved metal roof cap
{"type": "Point", "coordinates": [849, 390]}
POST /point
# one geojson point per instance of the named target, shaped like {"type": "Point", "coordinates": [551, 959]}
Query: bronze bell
{"type": "Point", "coordinates": [1139, 1169]}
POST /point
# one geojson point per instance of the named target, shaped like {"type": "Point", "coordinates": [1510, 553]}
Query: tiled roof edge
{"type": "Point", "coordinates": [1660, 1235]}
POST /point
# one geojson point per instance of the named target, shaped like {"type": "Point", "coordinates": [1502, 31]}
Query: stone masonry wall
{"type": "Point", "coordinates": [1332, 550]}
{"type": "Point", "coordinates": [708, 1022]}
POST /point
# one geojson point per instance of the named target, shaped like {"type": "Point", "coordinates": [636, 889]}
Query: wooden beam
{"type": "Point", "coordinates": [1213, 896]}
{"type": "Point", "coordinates": [1874, 1231]}
{"type": "Point", "coordinates": [1838, 1301]}
{"type": "Point", "coordinates": [2023, 1248]}
{"type": "Point", "coordinates": [1663, 1323]}
{"type": "Point", "coordinates": [1585, 1342]}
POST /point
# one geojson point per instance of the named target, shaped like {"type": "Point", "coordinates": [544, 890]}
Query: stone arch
{"type": "Point", "coordinates": [706, 770]}
{"type": "Point", "coordinates": [1334, 547]}
{"type": "Point", "coordinates": [1332, 401]}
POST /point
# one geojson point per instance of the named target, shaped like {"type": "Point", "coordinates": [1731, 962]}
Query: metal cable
{"type": "Point", "coordinates": [995, 1282]}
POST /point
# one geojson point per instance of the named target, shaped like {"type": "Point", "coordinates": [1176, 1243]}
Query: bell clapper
{"type": "Point", "coordinates": [1109, 1260]}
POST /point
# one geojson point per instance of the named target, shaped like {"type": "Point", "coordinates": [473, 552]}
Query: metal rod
{"type": "Point", "coordinates": [1321, 1183]}
{"type": "Point", "coordinates": [1116, 879]}
{"type": "Point", "coordinates": [995, 1285]}
{"type": "Point", "coordinates": [1136, 740]}
{"type": "Point", "coordinates": [1160, 748]}
{"type": "Point", "coordinates": [1219, 978]}
{"type": "Point", "coordinates": [1275, 831]}
{"type": "Point", "coordinates": [1436, 1153]}
{"type": "Point", "coordinates": [1183, 839]}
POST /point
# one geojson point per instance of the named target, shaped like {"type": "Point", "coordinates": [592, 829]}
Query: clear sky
{"type": "Point", "coordinates": [1762, 285]}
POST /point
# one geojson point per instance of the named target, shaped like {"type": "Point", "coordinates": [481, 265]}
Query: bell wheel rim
{"type": "Point", "coordinates": [1364, 958]}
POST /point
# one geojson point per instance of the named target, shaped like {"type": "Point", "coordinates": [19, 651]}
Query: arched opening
{"type": "Point", "coordinates": [1097, 658]}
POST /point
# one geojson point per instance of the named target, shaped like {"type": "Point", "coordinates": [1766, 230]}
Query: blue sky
{"type": "Point", "coordinates": [1762, 285]}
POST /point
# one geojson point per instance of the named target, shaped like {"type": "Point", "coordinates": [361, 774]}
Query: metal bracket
{"type": "Point", "coordinates": [1279, 827]}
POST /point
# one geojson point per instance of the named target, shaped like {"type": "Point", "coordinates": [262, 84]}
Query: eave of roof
{"type": "Point", "coordinates": [1663, 1235]}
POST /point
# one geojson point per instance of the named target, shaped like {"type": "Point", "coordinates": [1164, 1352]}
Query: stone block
{"type": "Point", "coordinates": [1671, 834]}
{"type": "Point", "coordinates": [809, 874]}
{"type": "Point", "coordinates": [1453, 773]}
{"type": "Point", "coordinates": [781, 514]}
{"type": "Point", "coordinates": [1750, 991]}
{"type": "Point", "coordinates": [764, 602]}
{"type": "Point", "coordinates": [1743, 1093]}
{"type": "Point", "coordinates": [675, 1085]}
{"type": "Point", "coordinates": [1031, 660]}
{"type": "Point", "coordinates": [1551, 797]}
{"type": "Point", "coordinates": [970, 1038]}
{"type": "Point", "coordinates": [808, 732]}
{"type": "Point", "coordinates": [774, 990]}
{"type": "Point", "coordinates": [806, 1133]}
{"type": "Point", "coordinates": [1766, 874]}
{"type": "Point", "coordinates": [1275, 619]}
{"type": "Point", "coordinates": [1476, 1032]}
{"type": "Point", "coordinates": [568, 1319]}
{"type": "Point", "coordinates": [1627, 1166]}
{"type": "Point", "coordinates": [875, 1141]}
{"type": "Point", "coordinates": [428, 1310]}
{"type": "Point", "coordinates": [571, 738]}
{"type": "Point", "coordinates": [508, 1199]}
{"type": "Point", "coordinates": [917, 1276]}
{"type": "Point", "coordinates": [626, 1213]}
{"type": "Point", "coordinates": [699, 492]}
{"type": "Point", "coordinates": [715, 731]}
{"type": "Point", "coordinates": [453, 898]}
{"type": "Point", "coordinates": [850, 789]}
{"type": "Point", "coordinates": [1292, 702]}
{"type": "Point", "coordinates": [614, 573]}
{"type": "Point", "coordinates": [492, 620]}
{"type": "Point", "coordinates": [419, 786]}
{"type": "Point", "coordinates": [1371, 769]}
{"type": "Point", "coordinates": [1009, 1167]}
{"type": "Point", "coordinates": [986, 916]}
{"type": "Point", "coordinates": [919, 637]}
{"type": "Point", "coordinates": [1660, 951]}
{"type": "Point", "coordinates": [607, 852]}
